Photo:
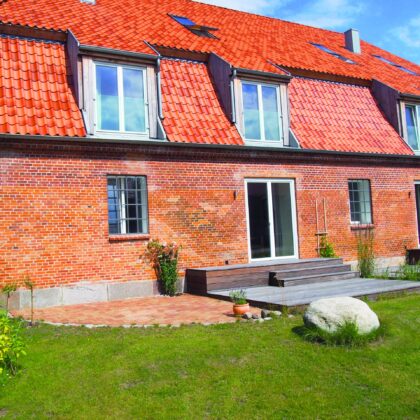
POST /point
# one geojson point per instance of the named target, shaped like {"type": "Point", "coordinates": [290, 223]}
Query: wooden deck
{"type": "Point", "coordinates": [289, 282]}
{"type": "Point", "coordinates": [304, 294]}
{"type": "Point", "coordinates": [202, 280]}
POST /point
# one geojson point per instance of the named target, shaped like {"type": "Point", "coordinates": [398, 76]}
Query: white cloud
{"type": "Point", "coordinates": [255, 6]}
{"type": "Point", "coordinates": [330, 14]}
{"type": "Point", "coordinates": [409, 34]}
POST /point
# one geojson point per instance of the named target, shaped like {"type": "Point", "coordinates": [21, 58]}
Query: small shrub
{"type": "Point", "coordinates": [11, 344]}
{"type": "Point", "coordinates": [165, 263]}
{"type": "Point", "coordinates": [326, 248]}
{"type": "Point", "coordinates": [347, 335]}
{"type": "Point", "coordinates": [365, 254]}
{"type": "Point", "coordinates": [238, 297]}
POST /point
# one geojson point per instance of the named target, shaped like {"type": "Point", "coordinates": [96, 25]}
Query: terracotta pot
{"type": "Point", "coordinates": [241, 309]}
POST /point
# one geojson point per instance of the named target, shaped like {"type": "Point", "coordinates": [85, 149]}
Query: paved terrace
{"type": "Point", "coordinates": [160, 310]}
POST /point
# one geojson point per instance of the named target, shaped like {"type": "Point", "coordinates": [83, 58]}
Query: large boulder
{"type": "Point", "coordinates": [329, 314]}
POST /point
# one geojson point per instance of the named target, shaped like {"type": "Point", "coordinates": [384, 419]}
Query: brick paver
{"type": "Point", "coordinates": [184, 309]}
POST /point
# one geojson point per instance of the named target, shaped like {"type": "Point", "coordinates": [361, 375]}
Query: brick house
{"type": "Point", "coordinates": [243, 138]}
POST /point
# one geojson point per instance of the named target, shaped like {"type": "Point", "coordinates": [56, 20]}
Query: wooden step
{"type": "Point", "coordinates": [315, 278]}
{"type": "Point", "coordinates": [277, 275]}
{"type": "Point", "coordinates": [203, 280]}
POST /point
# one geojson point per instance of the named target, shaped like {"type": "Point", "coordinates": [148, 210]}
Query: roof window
{"type": "Point", "coordinates": [327, 50]}
{"type": "Point", "coordinates": [199, 30]}
{"type": "Point", "coordinates": [398, 66]}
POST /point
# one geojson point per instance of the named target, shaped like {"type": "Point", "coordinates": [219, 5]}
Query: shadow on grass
{"type": "Point", "coordinates": [346, 336]}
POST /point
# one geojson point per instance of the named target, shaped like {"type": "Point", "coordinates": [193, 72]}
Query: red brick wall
{"type": "Point", "coordinates": [53, 206]}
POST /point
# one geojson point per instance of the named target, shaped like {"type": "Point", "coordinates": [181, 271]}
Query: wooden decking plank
{"type": "Point", "coordinates": [301, 295]}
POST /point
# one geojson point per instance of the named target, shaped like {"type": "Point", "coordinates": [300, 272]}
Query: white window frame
{"type": "Point", "coordinates": [417, 123]}
{"type": "Point", "coordinates": [291, 183]}
{"type": "Point", "coordinates": [358, 223]}
{"type": "Point", "coordinates": [281, 111]}
{"type": "Point", "coordinates": [120, 133]}
{"type": "Point", "coordinates": [121, 179]}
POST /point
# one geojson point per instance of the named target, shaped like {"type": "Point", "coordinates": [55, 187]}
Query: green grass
{"type": "Point", "coordinates": [241, 370]}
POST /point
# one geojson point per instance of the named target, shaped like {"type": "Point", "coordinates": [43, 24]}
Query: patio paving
{"type": "Point", "coordinates": [161, 310]}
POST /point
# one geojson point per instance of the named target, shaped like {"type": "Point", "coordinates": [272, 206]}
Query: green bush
{"type": "Point", "coordinates": [326, 248]}
{"type": "Point", "coordinates": [165, 262]}
{"type": "Point", "coordinates": [408, 272]}
{"type": "Point", "coordinates": [11, 344]}
{"type": "Point", "coordinates": [347, 335]}
{"type": "Point", "coordinates": [365, 254]}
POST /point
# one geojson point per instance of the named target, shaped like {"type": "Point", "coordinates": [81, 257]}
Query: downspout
{"type": "Point", "coordinates": [232, 94]}
{"type": "Point", "coordinates": [158, 81]}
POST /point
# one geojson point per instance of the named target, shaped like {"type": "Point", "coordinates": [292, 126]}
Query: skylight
{"type": "Point", "coordinates": [327, 50]}
{"type": "Point", "coordinates": [398, 66]}
{"type": "Point", "coordinates": [200, 30]}
{"type": "Point", "coordinates": [183, 20]}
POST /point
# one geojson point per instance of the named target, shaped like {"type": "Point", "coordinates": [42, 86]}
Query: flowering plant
{"type": "Point", "coordinates": [164, 257]}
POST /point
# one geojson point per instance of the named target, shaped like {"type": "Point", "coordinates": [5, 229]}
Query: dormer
{"type": "Point", "coordinates": [118, 92]}
{"type": "Point", "coordinates": [257, 102]}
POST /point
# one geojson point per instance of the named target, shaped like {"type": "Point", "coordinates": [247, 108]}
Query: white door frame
{"type": "Point", "coordinates": [270, 181]}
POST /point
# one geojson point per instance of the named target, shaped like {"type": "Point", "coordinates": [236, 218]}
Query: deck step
{"type": "Point", "coordinates": [303, 271]}
{"type": "Point", "coordinates": [313, 278]}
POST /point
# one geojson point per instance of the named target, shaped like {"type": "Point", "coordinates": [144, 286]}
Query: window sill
{"type": "Point", "coordinates": [125, 238]}
{"type": "Point", "coordinates": [362, 226]}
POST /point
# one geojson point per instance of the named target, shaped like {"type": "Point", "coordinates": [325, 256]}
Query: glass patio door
{"type": "Point", "coordinates": [271, 219]}
{"type": "Point", "coordinates": [417, 186]}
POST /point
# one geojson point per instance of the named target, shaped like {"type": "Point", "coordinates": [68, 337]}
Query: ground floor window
{"type": "Point", "coordinates": [360, 201]}
{"type": "Point", "coordinates": [127, 205]}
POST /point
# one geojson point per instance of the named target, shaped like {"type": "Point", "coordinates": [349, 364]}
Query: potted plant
{"type": "Point", "coordinates": [240, 304]}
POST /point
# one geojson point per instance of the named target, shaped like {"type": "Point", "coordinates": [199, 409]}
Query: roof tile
{"type": "Point", "coordinates": [191, 108]}
{"type": "Point", "coordinates": [35, 96]}
{"type": "Point", "coordinates": [245, 40]}
{"type": "Point", "coordinates": [340, 117]}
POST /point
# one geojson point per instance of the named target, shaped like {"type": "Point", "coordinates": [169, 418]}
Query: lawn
{"type": "Point", "coordinates": [240, 370]}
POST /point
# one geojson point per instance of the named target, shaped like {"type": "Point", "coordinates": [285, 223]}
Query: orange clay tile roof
{"type": "Point", "coordinates": [192, 111]}
{"type": "Point", "coordinates": [335, 116]}
{"type": "Point", "coordinates": [35, 95]}
{"type": "Point", "coordinates": [245, 40]}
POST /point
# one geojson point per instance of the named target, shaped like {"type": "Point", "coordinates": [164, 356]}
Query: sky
{"type": "Point", "coordinates": [389, 24]}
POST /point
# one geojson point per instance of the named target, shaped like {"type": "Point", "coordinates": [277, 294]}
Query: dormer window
{"type": "Point", "coordinates": [262, 112]}
{"type": "Point", "coordinates": [412, 120]}
{"type": "Point", "coordinates": [121, 99]}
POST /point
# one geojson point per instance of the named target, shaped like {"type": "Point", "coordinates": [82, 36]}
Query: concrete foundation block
{"type": "Point", "coordinates": [381, 263]}
{"type": "Point", "coordinates": [132, 289]}
{"type": "Point", "coordinates": [84, 293]}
